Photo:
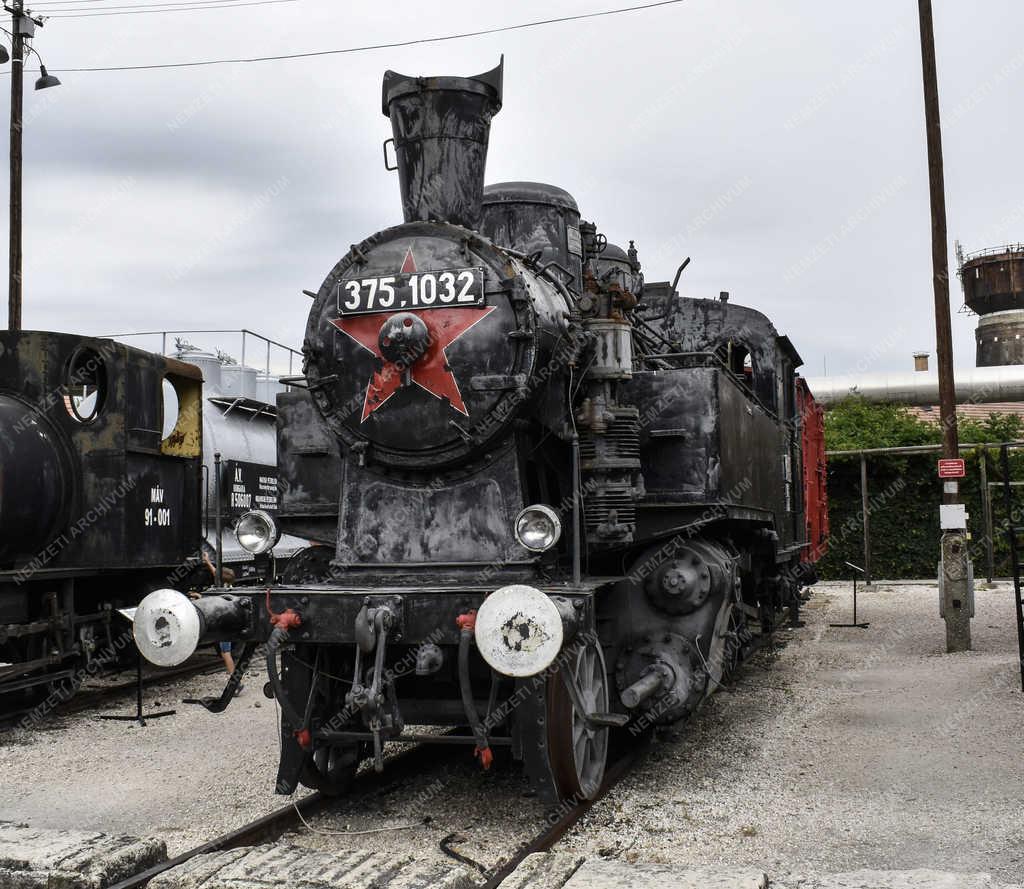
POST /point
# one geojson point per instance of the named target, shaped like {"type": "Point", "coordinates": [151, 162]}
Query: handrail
{"type": "Point", "coordinates": [923, 449]}
{"type": "Point", "coordinates": [245, 332]}
{"type": "Point", "coordinates": [994, 251]}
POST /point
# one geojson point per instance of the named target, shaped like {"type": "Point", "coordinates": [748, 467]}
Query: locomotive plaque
{"type": "Point", "coordinates": [249, 486]}
{"type": "Point", "coordinates": [418, 290]}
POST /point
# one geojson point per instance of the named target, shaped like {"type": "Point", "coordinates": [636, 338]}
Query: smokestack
{"type": "Point", "coordinates": [920, 361]}
{"type": "Point", "coordinates": [440, 127]}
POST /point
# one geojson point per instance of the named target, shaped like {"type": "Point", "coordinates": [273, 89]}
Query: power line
{"type": "Point", "coordinates": [51, 11]}
{"type": "Point", "coordinates": [376, 46]}
{"type": "Point", "coordinates": [231, 4]}
{"type": "Point", "coordinates": [48, 5]}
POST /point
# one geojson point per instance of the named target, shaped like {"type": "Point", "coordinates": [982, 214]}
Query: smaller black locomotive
{"type": "Point", "coordinates": [99, 496]}
{"type": "Point", "coordinates": [108, 490]}
{"type": "Point", "coordinates": [548, 497]}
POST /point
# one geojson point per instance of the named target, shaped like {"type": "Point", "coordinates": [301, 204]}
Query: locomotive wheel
{"type": "Point", "coordinates": [331, 769]}
{"type": "Point", "coordinates": [578, 753]}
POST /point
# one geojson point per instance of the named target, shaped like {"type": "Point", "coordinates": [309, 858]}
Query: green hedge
{"type": "Point", "coordinates": [905, 492]}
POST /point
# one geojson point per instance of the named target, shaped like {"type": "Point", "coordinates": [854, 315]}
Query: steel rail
{"type": "Point", "coordinates": [87, 698]}
{"type": "Point", "coordinates": [553, 832]}
{"type": "Point", "coordinates": [276, 823]}
{"type": "Point", "coordinates": [272, 825]}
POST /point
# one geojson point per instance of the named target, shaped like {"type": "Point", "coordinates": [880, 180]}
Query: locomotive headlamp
{"type": "Point", "coordinates": [537, 528]}
{"type": "Point", "coordinates": [256, 532]}
{"type": "Point", "coordinates": [518, 630]}
{"type": "Point", "coordinates": [166, 628]}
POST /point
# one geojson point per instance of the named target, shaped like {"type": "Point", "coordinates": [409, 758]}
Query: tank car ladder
{"type": "Point", "coordinates": [1014, 534]}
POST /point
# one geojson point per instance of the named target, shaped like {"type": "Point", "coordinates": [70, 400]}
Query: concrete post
{"type": "Point", "coordinates": [957, 596]}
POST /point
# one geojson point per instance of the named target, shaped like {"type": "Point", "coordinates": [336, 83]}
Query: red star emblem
{"type": "Point", "coordinates": [431, 371]}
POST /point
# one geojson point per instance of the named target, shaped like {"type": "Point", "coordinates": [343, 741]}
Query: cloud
{"type": "Point", "coordinates": [740, 134]}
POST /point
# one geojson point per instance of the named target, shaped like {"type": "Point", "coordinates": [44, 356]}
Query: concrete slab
{"type": "Point", "coordinates": [34, 858]}
{"type": "Point", "coordinates": [543, 870]}
{"type": "Point", "coordinates": [889, 879]}
{"type": "Point", "coordinates": [597, 873]}
{"type": "Point", "coordinates": [271, 866]}
{"type": "Point", "coordinates": [561, 870]}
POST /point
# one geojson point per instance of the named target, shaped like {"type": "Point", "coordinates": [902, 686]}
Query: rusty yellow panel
{"type": "Point", "coordinates": [186, 439]}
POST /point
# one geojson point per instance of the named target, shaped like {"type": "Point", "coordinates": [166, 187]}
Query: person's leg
{"type": "Point", "coordinates": [225, 654]}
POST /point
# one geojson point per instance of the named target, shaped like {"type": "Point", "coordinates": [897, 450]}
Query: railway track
{"type": "Point", "coordinates": [401, 768]}
{"type": "Point", "coordinates": [272, 826]}
{"type": "Point", "coordinates": [87, 698]}
{"type": "Point", "coordinates": [545, 840]}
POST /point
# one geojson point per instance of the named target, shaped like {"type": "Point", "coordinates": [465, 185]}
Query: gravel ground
{"type": "Point", "coordinates": [849, 749]}
{"type": "Point", "coordinates": [186, 778]}
{"type": "Point", "coordinates": [841, 749]}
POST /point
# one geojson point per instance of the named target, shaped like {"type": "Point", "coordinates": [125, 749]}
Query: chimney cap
{"type": "Point", "coordinates": [489, 83]}
{"type": "Point", "coordinates": [922, 354]}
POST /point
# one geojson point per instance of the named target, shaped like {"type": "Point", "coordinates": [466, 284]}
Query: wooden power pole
{"type": "Point", "coordinates": [17, 98]}
{"type": "Point", "coordinates": [956, 595]}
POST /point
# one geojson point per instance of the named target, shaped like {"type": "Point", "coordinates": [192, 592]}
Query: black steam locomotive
{"type": "Point", "coordinates": [549, 497]}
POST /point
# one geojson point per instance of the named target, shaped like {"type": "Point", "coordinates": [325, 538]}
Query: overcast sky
{"type": "Point", "coordinates": [780, 143]}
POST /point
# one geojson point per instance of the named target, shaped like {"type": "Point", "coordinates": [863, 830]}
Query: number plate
{"type": "Point", "coordinates": [444, 289]}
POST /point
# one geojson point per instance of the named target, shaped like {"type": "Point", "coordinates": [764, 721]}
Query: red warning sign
{"type": "Point", "coordinates": [952, 469]}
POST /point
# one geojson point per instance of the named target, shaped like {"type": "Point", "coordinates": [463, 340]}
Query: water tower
{"type": "Point", "coordinates": [993, 283]}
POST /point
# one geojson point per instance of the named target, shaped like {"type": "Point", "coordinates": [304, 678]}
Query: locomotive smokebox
{"type": "Point", "coordinates": [441, 126]}
{"type": "Point", "coordinates": [35, 478]}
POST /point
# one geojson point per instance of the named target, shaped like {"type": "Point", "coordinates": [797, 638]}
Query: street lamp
{"type": "Point", "coordinates": [23, 27]}
{"type": "Point", "coordinates": [46, 80]}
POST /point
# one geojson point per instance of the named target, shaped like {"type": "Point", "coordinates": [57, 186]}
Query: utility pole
{"type": "Point", "coordinates": [23, 26]}
{"type": "Point", "coordinates": [956, 595]}
{"type": "Point", "coordinates": [17, 98]}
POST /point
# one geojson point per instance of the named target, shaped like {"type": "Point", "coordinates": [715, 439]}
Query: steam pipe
{"type": "Point", "coordinates": [577, 568]}
{"type": "Point", "coordinates": [679, 273]}
{"type": "Point", "coordinates": [979, 385]}
{"type": "Point", "coordinates": [466, 689]}
{"type": "Point", "coordinates": [278, 637]}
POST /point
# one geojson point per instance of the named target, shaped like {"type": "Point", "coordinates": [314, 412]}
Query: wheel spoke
{"type": "Point", "coordinates": [580, 751]}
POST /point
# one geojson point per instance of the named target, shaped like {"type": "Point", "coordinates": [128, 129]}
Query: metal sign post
{"type": "Point", "coordinates": [860, 625]}
{"type": "Point", "coordinates": [138, 716]}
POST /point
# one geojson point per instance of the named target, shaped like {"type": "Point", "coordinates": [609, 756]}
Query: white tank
{"type": "Point", "coordinates": [210, 366]}
{"type": "Point", "coordinates": [267, 388]}
{"type": "Point", "coordinates": [238, 381]}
